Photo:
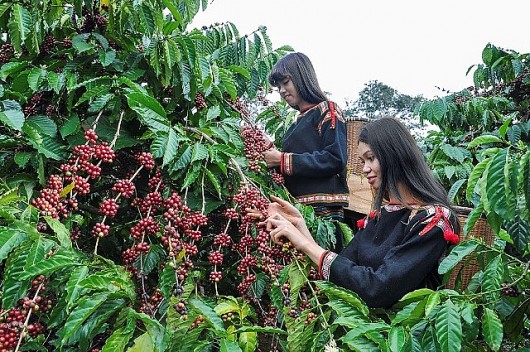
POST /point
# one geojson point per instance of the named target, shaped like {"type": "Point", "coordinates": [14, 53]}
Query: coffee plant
{"type": "Point", "coordinates": [131, 148]}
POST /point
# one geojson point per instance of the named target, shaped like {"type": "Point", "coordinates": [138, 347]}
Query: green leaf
{"type": "Point", "coordinates": [410, 314]}
{"type": "Point", "coordinates": [514, 323]}
{"type": "Point", "coordinates": [213, 112]}
{"type": "Point", "coordinates": [449, 327]}
{"type": "Point", "coordinates": [70, 127]}
{"type": "Point", "coordinates": [151, 113]}
{"type": "Point", "coordinates": [51, 148]}
{"type": "Point", "coordinates": [200, 152]}
{"type": "Point", "coordinates": [142, 343]}
{"type": "Point", "coordinates": [455, 153]}
{"type": "Point", "coordinates": [495, 183]}
{"type": "Point", "coordinates": [493, 274]}
{"type": "Point", "coordinates": [13, 119]}
{"type": "Point", "coordinates": [10, 196]}
{"type": "Point", "coordinates": [456, 255]}
{"type": "Point", "coordinates": [455, 188]}
{"type": "Point", "coordinates": [362, 329]}
{"type": "Point", "coordinates": [209, 314]}
{"type": "Point", "coordinates": [80, 44]}
{"type": "Point", "coordinates": [475, 175]}
{"type": "Point", "coordinates": [492, 329]}
{"type": "Point", "coordinates": [397, 338]}
{"type": "Point", "coordinates": [9, 239]}
{"type": "Point", "coordinates": [229, 346]}
{"type": "Point", "coordinates": [432, 302]}
{"type": "Point", "coordinates": [100, 102]}
{"type": "Point", "coordinates": [215, 182]}
{"type": "Point", "coordinates": [12, 67]}
{"type": "Point", "coordinates": [85, 307]}
{"type": "Point", "coordinates": [63, 235]}
{"type": "Point", "coordinates": [484, 139]}
{"type": "Point", "coordinates": [120, 338]}
{"type": "Point", "coordinates": [184, 160]}
{"type": "Point", "coordinates": [50, 265]}
{"type": "Point", "coordinates": [39, 248]}
{"type": "Point", "coordinates": [334, 292]}
{"type": "Point", "coordinates": [4, 7]}
{"type": "Point", "coordinates": [259, 329]}
{"type": "Point", "coordinates": [20, 26]}
{"type": "Point", "coordinates": [13, 287]}
{"type": "Point", "coordinates": [73, 290]}
{"type": "Point", "coordinates": [107, 57]}
{"type": "Point", "coordinates": [171, 147]}
{"type": "Point", "coordinates": [56, 81]}
{"type": "Point", "coordinates": [43, 124]}
{"type": "Point", "coordinates": [35, 78]}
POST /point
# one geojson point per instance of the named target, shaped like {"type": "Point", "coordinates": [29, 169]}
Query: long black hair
{"type": "Point", "coordinates": [401, 162]}
{"type": "Point", "coordinates": [299, 69]}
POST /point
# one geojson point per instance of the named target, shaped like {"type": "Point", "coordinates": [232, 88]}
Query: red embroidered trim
{"type": "Point", "coordinates": [439, 219]}
{"type": "Point", "coordinates": [308, 108]}
{"type": "Point", "coordinates": [320, 261]}
{"type": "Point", "coordinates": [281, 163]}
{"type": "Point", "coordinates": [332, 115]}
{"type": "Point", "coordinates": [434, 221]}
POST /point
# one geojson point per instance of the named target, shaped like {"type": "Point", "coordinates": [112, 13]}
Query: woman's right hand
{"type": "Point", "coordinates": [289, 212]}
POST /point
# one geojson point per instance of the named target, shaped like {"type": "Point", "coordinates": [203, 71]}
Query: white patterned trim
{"type": "Point", "coordinates": [326, 264]}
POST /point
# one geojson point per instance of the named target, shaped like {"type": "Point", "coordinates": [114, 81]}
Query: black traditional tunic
{"type": "Point", "coordinates": [314, 157]}
{"type": "Point", "coordinates": [393, 253]}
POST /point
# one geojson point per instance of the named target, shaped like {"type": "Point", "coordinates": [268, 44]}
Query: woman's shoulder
{"type": "Point", "coordinates": [427, 217]}
{"type": "Point", "coordinates": [329, 107]}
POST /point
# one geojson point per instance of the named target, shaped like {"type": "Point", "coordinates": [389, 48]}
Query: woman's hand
{"type": "Point", "coordinates": [289, 212]}
{"type": "Point", "coordinates": [272, 157]}
{"type": "Point", "coordinates": [282, 229]}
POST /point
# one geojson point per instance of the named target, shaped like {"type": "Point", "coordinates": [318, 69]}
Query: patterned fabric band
{"type": "Point", "coordinates": [326, 265]}
{"type": "Point", "coordinates": [287, 163]}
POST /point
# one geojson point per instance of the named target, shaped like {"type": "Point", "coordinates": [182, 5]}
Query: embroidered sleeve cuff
{"type": "Point", "coordinates": [287, 162]}
{"type": "Point", "coordinates": [326, 265]}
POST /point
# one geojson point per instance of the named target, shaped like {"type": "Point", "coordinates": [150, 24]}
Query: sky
{"type": "Point", "coordinates": [417, 47]}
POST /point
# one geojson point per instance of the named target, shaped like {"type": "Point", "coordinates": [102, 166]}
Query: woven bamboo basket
{"type": "Point", "coordinates": [353, 128]}
{"type": "Point", "coordinates": [464, 271]}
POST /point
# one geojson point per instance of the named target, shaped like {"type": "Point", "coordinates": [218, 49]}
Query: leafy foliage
{"type": "Point", "coordinates": [127, 98]}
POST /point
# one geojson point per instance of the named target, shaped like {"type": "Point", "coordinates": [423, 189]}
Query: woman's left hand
{"type": "Point", "coordinates": [282, 229]}
{"type": "Point", "coordinates": [272, 157]}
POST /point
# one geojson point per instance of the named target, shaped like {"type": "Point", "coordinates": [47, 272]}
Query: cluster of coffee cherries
{"type": "Point", "coordinates": [151, 303]}
{"type": "Point", "coordinates": [238, 104]}
{"type": "Point", "coordinates": [83, 165]}
{"type": "Point", "coordinates": [13, 325]}
{"type": "Point", "coordinates": [255, 143]}
{"type": "Point", "coordinates": [93, 19]}
{"type": "Point", "coordinates": [181, 234]}
{"type": "Point", "coordinates": [33, 104]}
{"type": "Point", "coordinates": [510, 290]}
{"type": "Point", "coordinates": [277, 178]}
{"type": "Point", "coordinates": [254, 246]}
{"type": "Point", "coordinates": [6, 52]}
{"type": "Point", "coordinates": [200, 102]}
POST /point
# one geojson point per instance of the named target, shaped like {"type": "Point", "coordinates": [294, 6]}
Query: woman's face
{"type": "Point", "coordinates": [371, 167]}
{"type": "Point", "coordinates": [289, 93]}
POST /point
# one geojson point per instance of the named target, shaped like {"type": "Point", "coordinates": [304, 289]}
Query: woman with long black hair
{"type": "Point", "coordinates": [314, 152]}
{"type": "Point", "coordinates": [399, 245]}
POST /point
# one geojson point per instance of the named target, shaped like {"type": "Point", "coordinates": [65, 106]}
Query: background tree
{"type": "Point", "coordinates": [377, 99]}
